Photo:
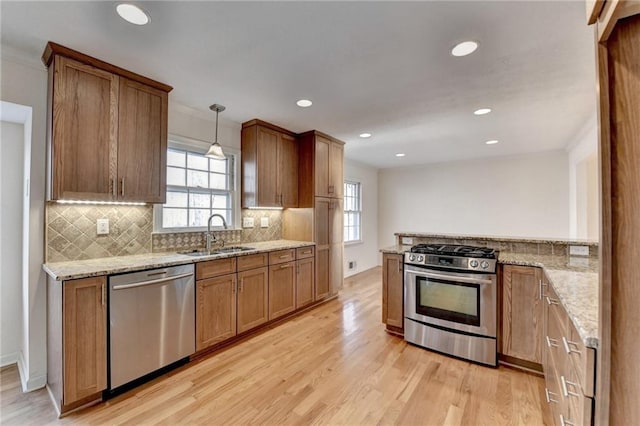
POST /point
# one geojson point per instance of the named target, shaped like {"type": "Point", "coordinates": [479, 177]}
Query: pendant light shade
{"type": "Point", "coordinates": [215, 150]}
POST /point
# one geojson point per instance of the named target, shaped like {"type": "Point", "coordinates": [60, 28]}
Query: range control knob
{"type": "Point", "coordinates": [412, 257]}
{"type": "Point", "coordinates": [473, 263]}
{"type": "Point", "coordinates": [484, 264]}
{"type": "Point", "coordinates": [420, 258]}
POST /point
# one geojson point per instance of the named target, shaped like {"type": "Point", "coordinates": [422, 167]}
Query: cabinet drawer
{"type": "Point", "coordinates": [214, 268]}
{"type": "Point", "coordinates": [252, 261]}
{"type": "Point", "coordinates": [581, 359]}
{"type": "Point", "coordinates": [304, 252]}
{"type": "Point", "coordinates": [281, 256]}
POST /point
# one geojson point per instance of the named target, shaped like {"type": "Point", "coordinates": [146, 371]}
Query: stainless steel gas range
{"type": "Point", "coordinates": [450, 300]}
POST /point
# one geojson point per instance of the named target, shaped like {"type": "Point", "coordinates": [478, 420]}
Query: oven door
{"type": "Point", "coordinates": [453, 300]}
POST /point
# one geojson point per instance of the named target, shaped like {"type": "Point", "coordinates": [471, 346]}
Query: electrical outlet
{"type": "Point", "coordinates": [578, 250]}
{"type": "Point", "coordinates": [352, 265]}
{"type": "Point", "coordinates": [407, 240]}
{"type": "Point", "coordinates": [102, 226]}
{"type": "Point", "coordinates": [264, 222]}
{"type": "Point", "coordinates": [247, 222]}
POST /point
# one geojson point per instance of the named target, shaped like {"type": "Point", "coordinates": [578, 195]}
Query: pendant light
{"type": "Point", "coordinates": [215, 150]}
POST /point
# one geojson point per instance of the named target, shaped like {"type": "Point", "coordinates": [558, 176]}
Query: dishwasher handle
{"type": "Point", "coordinates": [152, 282]}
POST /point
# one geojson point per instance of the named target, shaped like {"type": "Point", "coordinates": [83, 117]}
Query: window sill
{"type": "Point", "coordinates": [353, 243]}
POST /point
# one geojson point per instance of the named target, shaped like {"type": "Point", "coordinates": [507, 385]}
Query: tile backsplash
{"type": "Point", "coordinates": [71, 231]}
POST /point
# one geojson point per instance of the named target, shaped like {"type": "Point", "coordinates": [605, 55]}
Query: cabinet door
{"type": "Point", "coordinates": [253, 298]}
{"type": "Point", "coordinates": [142, 143]}
{"type": "Point", "coordinates": [84, 131]}
{"type": "Point", "coordinates": [321, 166]}
{"type": "Point", "coordinates": [305, 272]}
{"type": "Point", "coordinates": [392, 290]}
{"type": "Point", "coordinates": [287, 171]}
{"type": "Point", "coordinates": [267, 165]}
{"type": "Point", "coordinates": [522, 313]}
{"type": "Point", "coordinates": [323, 254]}
{"type": "Point", "coordinates": [336, 236]}
{"type": "Point", "coordinates": [215, 310]}
{"type": "Point", "coordinates": [84, 338]}
{"type": "Point", "coordinates": [282, 289]}
{"type": "Point", "coordinates": [336, 170]}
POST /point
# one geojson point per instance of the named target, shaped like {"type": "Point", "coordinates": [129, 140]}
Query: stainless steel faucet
{"type": "Point", "coordinates": [209, 238]}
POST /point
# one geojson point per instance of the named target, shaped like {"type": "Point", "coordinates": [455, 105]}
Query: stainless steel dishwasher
{"type": "Point", "coordinates": [151, 321]}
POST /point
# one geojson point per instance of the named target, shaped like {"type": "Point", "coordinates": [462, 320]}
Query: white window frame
{"type": "Point", "coordinates": [361, 240]}
{"type": "Point", "coordinates": [195, 145]}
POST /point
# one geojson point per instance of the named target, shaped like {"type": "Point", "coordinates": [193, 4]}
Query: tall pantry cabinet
{"type": "Point", "coordinates": [320, 216]}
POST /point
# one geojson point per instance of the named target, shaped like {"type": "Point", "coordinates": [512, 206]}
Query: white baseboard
{"type": "Point", "coordinates": [8, 359]}
{"type": "Point", "coordinates": [29, 383]}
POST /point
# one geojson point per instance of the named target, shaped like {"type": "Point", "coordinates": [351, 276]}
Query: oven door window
{"type": "Point", "coordinates": [448, 300]}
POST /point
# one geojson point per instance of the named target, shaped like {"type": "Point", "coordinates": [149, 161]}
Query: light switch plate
{"type": "Point", "coordinates": [247, 222]}
{"type": "Point", "coordinates": [578, 250]}
{"type": "Point", "coordinates": [102, 226]}
{"type": "Point", "coordinates": [407, 240]}
{"type": "Point", "coordinates": [264, 222]}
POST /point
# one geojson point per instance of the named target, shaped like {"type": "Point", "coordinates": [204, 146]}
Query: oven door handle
{"type": "Point", "coordinates": [449, 277]}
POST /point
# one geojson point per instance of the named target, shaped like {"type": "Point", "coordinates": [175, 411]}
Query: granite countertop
{"type": "Point", "coordinates": [61, 271]}
{"type": "Point", "coordinates": [574, 279]}
{"type": "Point", "coordinates": [496, 238]}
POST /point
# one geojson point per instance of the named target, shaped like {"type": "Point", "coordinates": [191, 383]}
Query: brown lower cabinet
{"type": "Point", "coordinates": [569, 367]}
{"type": "Point", "coordinates": [522, 314]}
{"type": "Point", "coordinates": [215, 310]}
{"type": "Point", "coordinates": [76, 341]}
{"type": "Point", "coordinates": [305, 271]}
{"type": "Point", "coordinates": [392, 292]}
{"type": "Point", "coordinates": [253, 298]}
{"type": "Point", "coordinates": [282, 289]}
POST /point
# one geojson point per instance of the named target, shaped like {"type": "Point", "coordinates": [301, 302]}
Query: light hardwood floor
{"type": "Point", "coordinates": [332, 365]}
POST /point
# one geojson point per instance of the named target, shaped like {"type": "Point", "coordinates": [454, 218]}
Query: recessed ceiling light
{"type": "Point", "coordinates": [132, 13]}
{"type": "Point", "coordinates": [482, 111]}
{"type": "Point", "coordinates": [304, 103]}
{"type": "Point", "coordinates": [400, 154]}
{"type": "Point", "coordinates": [465, 48]}
{"type": "Point", "coordinates": [491, 142]}
{"type": "Point", "coordinates": [365, 135]}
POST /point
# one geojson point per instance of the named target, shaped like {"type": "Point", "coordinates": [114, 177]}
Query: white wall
{"type": "Point", "coordinates": [24, 82]}
{"type": "Point", "coordinates": [11, 173]}
{"type": "Point", "coordinates": [195, 124]}
{"type": "Point", "coordinates": [584, 192]}
{"type": "Point", "coordinates": [365, 254]}
{"type": "Point", "coordinates": [508, 196]}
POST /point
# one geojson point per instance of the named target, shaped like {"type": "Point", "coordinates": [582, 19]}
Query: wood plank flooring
{"type": "Point", "coordinates": [332, 365]}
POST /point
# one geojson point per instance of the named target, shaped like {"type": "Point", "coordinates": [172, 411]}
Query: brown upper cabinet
{"type": "Point", "coordinates": [269, 166]}
{"type": "Point", "coordinates": [321, 172]}
{"type": "Point", "coordinates": [107, 130]}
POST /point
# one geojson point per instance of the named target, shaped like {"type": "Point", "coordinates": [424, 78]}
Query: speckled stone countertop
{"type": "Point", "coordinates": [574, 279]}
{"type": "Point", "coordinates": [495, 238]}
{"type": "Point", "coordinates": [62, 271]}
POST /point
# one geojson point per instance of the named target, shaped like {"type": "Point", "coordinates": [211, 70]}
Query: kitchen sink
{"type": "Point", "coordinates": [223, 250]}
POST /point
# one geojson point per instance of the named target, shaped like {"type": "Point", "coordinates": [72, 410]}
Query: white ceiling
{"type": "Point", "coordinates": [378, 67]}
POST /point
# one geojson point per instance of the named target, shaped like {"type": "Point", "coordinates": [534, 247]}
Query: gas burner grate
{"type": "Point", "coordinates": [455, 250]}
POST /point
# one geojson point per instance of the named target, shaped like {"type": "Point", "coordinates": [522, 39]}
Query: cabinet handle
{"type": "Point", "coordinates": [123, 186]}
{"type": "Point", "coordinates": [552, 301]}
{"type": "Point", "coordinates": [565, 390]}
{"type": "Point", "coordinates": [548, 394]}
{"type": "Point", "coordinates": [114, 187]}
{"type": "Point", "coordinates": [564, 422]}
{"type": "Point", "coordinates": [102, 294]}
{"type": "Point", "coordinates": [552, 343]}
{"type": "Point", "coordinates": [400, 266]}
{"type": "Point", "coordinates": [284, 256]}
{"type": "Point", "coordinates": [542, 295]}
{"type": "Point", "coordinates": [240, 289]}
{"type": "Point", "coordinates": [568, 348]}
{"type": "Point", "coordinates": [306, 252]}
{"type": "Point", "coordinates": [285, 266]}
